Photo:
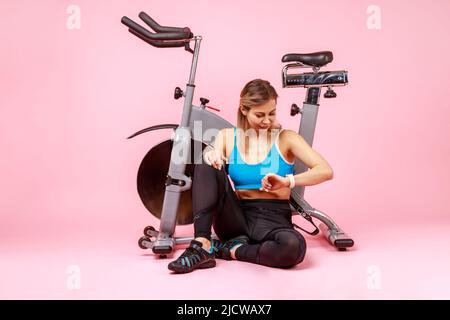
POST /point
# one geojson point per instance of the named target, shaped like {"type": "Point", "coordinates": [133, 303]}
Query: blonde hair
{"type": "Point", "coordinates": [254, 93]}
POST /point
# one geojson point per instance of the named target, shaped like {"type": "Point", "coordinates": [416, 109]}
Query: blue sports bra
{"type": "Point", "coordinates": [249, 176]}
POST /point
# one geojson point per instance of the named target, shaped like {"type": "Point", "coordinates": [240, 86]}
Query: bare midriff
{"type": "Point", "coordinates": [282, 194]}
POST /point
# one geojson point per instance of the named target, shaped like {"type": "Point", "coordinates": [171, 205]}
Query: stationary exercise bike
{"type": "Point", "coordinates": [165, 174]}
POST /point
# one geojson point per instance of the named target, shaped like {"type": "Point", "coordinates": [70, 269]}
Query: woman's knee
{"type": "Point", "coordinates": [292, 248]}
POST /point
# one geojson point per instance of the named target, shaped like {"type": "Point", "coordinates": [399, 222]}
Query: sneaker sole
{"type": "Point", "coordinates": [205, 265]}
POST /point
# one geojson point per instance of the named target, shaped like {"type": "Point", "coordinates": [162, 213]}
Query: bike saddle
{"type": "Point", "coordinates": [316, 59]}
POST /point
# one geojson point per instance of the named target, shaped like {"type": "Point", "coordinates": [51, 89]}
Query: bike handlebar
{"type": "Point", "coordinates": [158, 28]}
{"type": "Point", "coordinates": [162, 32]}
{"type": "Point", "coordinates": [157, 43]}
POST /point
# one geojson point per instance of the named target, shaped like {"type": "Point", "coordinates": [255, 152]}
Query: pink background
{"type": "Point", "coordinates": [69, 98]}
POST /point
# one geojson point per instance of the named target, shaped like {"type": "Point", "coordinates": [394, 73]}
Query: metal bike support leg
{"type": "Point", "coordinates": [177, 181]}
{"type": "Point", "coordinates": [335, 235]}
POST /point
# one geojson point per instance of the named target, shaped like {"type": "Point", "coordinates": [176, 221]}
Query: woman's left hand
{"type": "Point", "coordinates": [273, 181]}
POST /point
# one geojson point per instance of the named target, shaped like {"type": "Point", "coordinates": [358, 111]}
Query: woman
{"type": "Point", "coordinates": [254, 220]}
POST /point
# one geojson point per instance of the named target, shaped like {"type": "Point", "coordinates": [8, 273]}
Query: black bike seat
{"type": "Point", "coordinates": [316, 59]}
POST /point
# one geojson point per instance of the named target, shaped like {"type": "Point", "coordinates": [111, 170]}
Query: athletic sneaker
{"type": "Point", "coordinates": [222, 248]}
{"type": "Point", "coordinates": [194, 257]}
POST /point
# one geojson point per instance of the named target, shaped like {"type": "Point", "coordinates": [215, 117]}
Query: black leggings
{"type": "Point", "coordinates": [267, 222]}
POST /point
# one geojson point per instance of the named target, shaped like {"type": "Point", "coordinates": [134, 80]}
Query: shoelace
{"type": "Point", "coordinates": [190, 256]}
{"type": "Point", "coordinates": [221, 245]}
{"type": "Point", "coordinates": [217, 244]}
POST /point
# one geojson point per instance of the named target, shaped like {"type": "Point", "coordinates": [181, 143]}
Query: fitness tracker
{"type": "Point", "coordinates": [291, 180]}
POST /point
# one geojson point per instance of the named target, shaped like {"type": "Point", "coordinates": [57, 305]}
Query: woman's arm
{"type": "Point", "coordinates": [215, 155]}
{"type": "Point", "coordinates": [218, 143]}
{"type": "Point", "coordinates": [320, 170]}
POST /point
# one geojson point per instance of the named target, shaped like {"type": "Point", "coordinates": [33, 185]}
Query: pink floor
{"type": "Point", "coordinates": [395, 262]}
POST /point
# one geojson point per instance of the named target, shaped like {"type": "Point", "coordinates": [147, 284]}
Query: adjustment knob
{"type": "Point", "coordinates": [204, 101]}
{"type": "Point", "coordinates": [178, 93]}
{"type": "Point", "coordinates": [294, 110]}
{"type": "Point", "coordinates": [330, 93]}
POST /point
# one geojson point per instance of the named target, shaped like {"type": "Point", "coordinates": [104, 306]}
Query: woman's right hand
{"type": "Point", "coordinates": [215, 158]}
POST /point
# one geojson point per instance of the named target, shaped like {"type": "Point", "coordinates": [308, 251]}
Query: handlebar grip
{"type": "Point", "coordinates": [156, 43]}
{"type": "Point", "coordinates": [152, 36]}
{"type": "Point", "coordinates": [158, 28]}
